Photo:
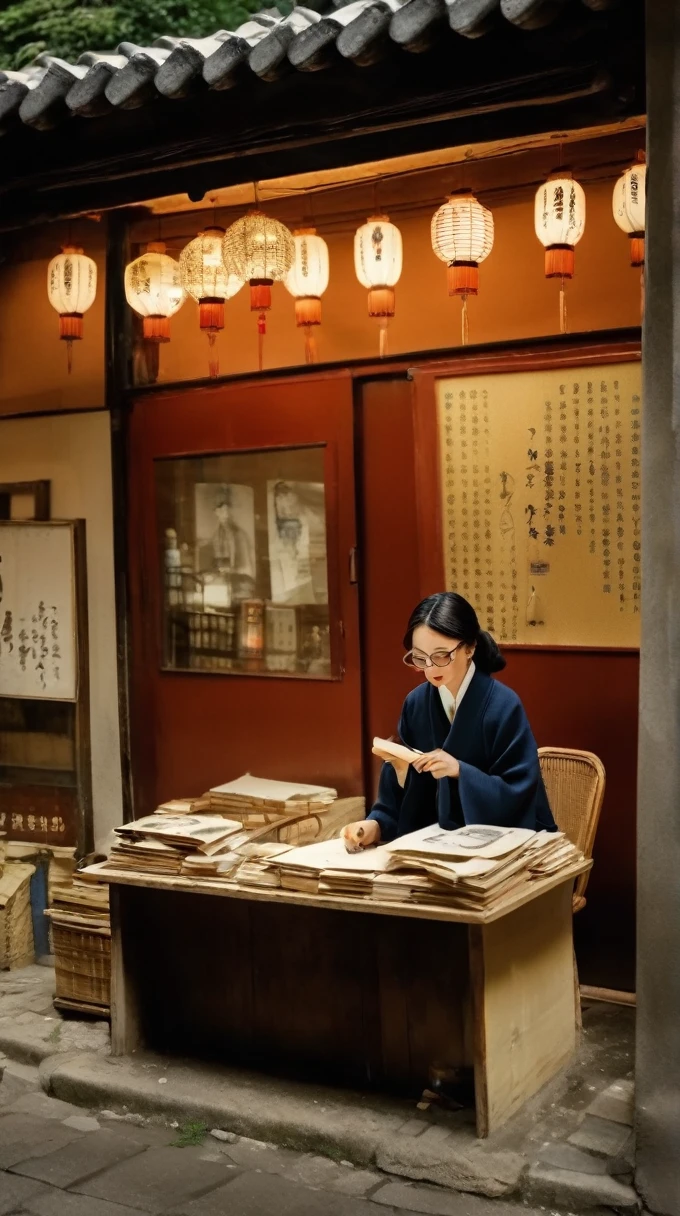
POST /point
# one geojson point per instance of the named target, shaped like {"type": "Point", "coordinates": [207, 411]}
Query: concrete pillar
{"type": "Point", "coordinates": [658, 976]}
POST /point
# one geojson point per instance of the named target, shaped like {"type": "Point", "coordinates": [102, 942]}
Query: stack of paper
{"type": "Point", "coordinates": [258, 796]}
{"type": "Point", "coordinates": [472, 867]}
{"type": "Point", "coordinates": [80, 905]}
{"type": "Point", "coordinates": [161, 843]}
{"type": "Point", "coordinates": [329, 863]}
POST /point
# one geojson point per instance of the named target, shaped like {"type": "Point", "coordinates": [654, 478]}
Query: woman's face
{"type": "Point", "coordinates": [427, 642]}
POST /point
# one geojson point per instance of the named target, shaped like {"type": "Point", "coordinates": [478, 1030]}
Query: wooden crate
{"type": "Point", "coordinates": [82, 960]}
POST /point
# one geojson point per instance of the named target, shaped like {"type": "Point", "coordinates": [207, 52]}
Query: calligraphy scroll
{"type": "Point", "coordinates": [541, 498]}
{"type": "Point", "coordinates": [38, 653]}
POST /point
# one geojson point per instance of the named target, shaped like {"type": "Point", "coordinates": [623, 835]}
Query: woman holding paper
{"type": "Point", "coordinates": [474, 758]}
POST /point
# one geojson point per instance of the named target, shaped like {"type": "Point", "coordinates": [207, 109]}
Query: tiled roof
{"type": "Point", "coordinates": [51, 90]}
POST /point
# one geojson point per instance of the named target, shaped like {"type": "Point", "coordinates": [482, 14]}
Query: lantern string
{"type": "Point", "coordinates": [465, 333]}
{"type": "Point", "coordinates": [563, 308]}
{"type": "Point", "coordinates": [69, 355]}
{"type": "Point", "coordinates": [213, 357]}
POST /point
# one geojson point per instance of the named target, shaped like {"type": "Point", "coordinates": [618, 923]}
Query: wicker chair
{"type": "Point", "coordinates": [574, 783]}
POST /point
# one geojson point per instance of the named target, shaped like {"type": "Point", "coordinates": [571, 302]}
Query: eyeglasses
{"type": "Point", "coordinates": [440, 658]}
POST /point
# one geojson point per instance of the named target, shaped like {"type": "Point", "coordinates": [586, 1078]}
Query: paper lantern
{"type": "Point", "coordinates": [206, 280]}
{"type": "Point", "coordinates": [559, 220]}
{"type": "Point", "coordinates": [71, 290]}
{"type": "Point", "coordinates": [307, 280]}
{"type": "Point", "coordinates": [260, 251]}
{"type": "Point", "coordinates": [153, 289]}
{"type": "Point", "coordinates": [628, 205]}
{"type": "Point", "coordinates": [462, 236]}
{"type": "Point", "coordinates": [378, 259]}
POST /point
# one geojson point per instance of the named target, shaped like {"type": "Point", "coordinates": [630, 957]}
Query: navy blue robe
{"type": "Point", "coordinates": [500, 780]}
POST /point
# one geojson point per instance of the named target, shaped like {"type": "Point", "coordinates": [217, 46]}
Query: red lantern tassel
{"type": "Point", "coordinates": [261, 332]}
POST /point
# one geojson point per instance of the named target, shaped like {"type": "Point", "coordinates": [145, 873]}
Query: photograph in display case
{"type": "Point", "coordinates": [245, 563]}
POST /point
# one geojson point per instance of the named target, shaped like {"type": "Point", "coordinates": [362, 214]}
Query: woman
{"type": "Point", "coordinates": [479, 761]}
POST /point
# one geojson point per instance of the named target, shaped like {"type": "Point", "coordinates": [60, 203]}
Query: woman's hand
{"type": "Point", "coordinates": [361, 835]}
{"type": "Point", "coordinates": [439, 763]}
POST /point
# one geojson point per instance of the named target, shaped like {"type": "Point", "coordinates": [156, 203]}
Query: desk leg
{"type": "Point", "coordinates": [125, 1029]}
{"type": "Point", "coordinates": [523, 1004]}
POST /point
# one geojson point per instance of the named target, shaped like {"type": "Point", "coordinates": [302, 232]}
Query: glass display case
{"type": "Point", "coordinates": [243, 560]}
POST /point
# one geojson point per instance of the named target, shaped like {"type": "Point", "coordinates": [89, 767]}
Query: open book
{"type": "Point", "coordinates": [398, 750]}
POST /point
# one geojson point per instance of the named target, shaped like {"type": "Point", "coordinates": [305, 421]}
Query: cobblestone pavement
{"type": "Point", "coordinates": [57, 1160]}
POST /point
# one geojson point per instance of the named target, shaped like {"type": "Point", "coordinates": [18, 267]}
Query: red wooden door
{"type": "Point", "coordinates": [194, 729]}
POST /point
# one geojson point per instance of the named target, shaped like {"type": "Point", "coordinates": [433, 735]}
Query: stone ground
{"type": "Point", "coordinates": [84, 1134]}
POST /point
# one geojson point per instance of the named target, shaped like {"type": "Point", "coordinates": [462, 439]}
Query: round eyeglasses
{"type": "Point", "coordinates": [440, 658]}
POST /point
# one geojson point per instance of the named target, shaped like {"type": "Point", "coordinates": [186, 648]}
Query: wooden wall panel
{"type": "Point", "coordinates": [589, 699]}
{"type": "Point", "coordinates": [389, 575]}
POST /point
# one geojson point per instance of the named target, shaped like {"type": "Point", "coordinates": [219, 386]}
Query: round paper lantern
{"type": "Point", "coordinates": [153, 289]}
{"type": "Point", "coordinates": [378, 259]}
{"type": "Point", "coordinates": [560, 218]}
{"type": "Point", "coordinates": [307, 280]}
{"type": "Point", "coordinates": [260, 251]}
{"type": "Point", "coordinates": [205, 279]}
{"type": "Point", "coordinates": [628, 205]}
{"type": "Point", "coordinates": [71, 290]}
{"type": "Point", "coordinates": [462, 236]}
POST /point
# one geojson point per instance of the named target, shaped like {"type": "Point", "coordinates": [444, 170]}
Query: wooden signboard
{"type": "Point", "coordinates": [45, 773]}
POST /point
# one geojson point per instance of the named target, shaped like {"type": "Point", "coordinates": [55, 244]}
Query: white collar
{"type": "Point", "coordinates": [452, 704]}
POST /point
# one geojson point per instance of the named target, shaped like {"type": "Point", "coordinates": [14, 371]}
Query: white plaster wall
{"type": "Point", "coordinates": [73, 451]}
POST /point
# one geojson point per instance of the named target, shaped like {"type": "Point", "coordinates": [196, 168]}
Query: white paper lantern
{"type": "Point", "coordinates": [378, 258]}
{"type": "Point", "coordinates": [71, 289]}
{"type": "Point", "coordinates": [462, 236]}
{"type": "Point", "coordinates": [560, 219]}
{"type": "Point", "coordinates": [307, 280]}
{"type": "Point", "coordinates": [308, 277]}
{"type": "Point", "coordinates": [153, 289]}
{"type": "Point", "coordinates": [628, 206]}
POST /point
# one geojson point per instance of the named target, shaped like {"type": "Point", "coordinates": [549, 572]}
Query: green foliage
{"type": "Point", "coordinates": [191, 1134]}
{"type": "Point", "coordinates": [66, 28]}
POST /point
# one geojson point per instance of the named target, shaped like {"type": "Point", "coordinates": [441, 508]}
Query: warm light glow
{"type": "Point", "coordinates": [378, 254]}
{"type": "Point", "coordinates": [308, 276]}
{"type": "Point", "coordinates": [202, 271]}
{"type": "Point", "coordinates": [628, 206]}
{"type": "Point", "coordinates": [71, 283]}
{"type": "Point", "coordinates": [258, 249]}
{"type": "Point", "coordinates": [560, 212]}
{"type": "Point", "coordinates": [462, 230]}
{"type": "Point", "coordinates": [153, 288]}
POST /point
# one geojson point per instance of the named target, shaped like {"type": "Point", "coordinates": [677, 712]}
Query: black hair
{"type": "Point", "coordinates": [448, 613]}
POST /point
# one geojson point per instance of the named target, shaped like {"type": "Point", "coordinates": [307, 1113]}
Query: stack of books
{"type": "Point", "coordinates": [328, 867]}
{"type": "Point", "coordinates": [164, 843]}
{"type": "Point", "coordinates": [473, 867]}
{"type": "Point", "coordinates": [249, 796]}
{"type": "Point", "coordinates": [80, 905]}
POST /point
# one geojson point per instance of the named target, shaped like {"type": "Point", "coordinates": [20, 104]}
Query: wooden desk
{"type": "Point", "coordinates": [345, 989]}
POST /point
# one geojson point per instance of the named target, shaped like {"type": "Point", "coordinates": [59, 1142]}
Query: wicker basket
{"type": "Point", "coordinates": [83, 967]}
